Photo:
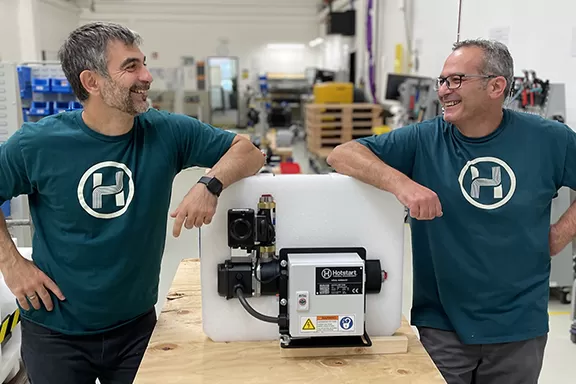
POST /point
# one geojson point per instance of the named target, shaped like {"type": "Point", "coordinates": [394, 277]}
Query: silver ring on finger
{"type": "Point", "coordinates": [32, 297]}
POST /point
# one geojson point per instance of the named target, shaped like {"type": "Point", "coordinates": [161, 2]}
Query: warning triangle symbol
{"type": "Point", "coordinates": [308, 326]}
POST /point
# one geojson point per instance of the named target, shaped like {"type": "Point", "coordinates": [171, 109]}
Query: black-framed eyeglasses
{"type": "Point", "coordinates": [455, 81]}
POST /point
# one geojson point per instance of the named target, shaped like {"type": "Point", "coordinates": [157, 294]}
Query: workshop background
{"type": "Point", "coordinates": [269, 68]}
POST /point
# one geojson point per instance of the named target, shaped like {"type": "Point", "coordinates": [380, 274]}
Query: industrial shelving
{"type": "Point", "coordinates": [44, 91]}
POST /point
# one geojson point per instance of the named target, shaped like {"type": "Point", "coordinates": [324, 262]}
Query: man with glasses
{"type": "Point", "coordinates": [479, 182]}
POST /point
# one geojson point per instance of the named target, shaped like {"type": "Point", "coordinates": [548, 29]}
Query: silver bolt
{"type": "Point", "coordinates": [284, 340]}
{"type": "Point", "coordinates": [283, 302]}
{"type": "Point", "coordinates": [283, 263]}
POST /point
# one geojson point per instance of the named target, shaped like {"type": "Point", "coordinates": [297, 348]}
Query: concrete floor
{"type": "Point", "coordinates": [560, 355]}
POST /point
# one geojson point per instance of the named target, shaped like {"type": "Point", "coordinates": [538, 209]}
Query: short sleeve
{"type": "Point", "coordinates": [198, 144]}
{"type": "Point", "coordinates": [396, 148]}
{"type": "Point", "coordinates": [569, 171]}
{"type": "Point", "coordinates": [14, 179]}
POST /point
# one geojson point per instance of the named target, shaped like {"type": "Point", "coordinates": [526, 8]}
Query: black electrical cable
{"type": "Point", "coordinates": [252, 311]}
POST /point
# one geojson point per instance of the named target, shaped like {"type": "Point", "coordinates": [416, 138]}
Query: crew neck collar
{"type": "Point", "coordinates": [496, 132]}
{"type": "Point", "coordinates": [100, 136]}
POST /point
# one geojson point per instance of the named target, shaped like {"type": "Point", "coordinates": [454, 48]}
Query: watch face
{"type": "Point", "coordinates": [215, 186]}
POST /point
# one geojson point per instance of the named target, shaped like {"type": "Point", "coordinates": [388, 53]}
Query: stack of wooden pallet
{"type": "Point", "coordinates": [328, 125]}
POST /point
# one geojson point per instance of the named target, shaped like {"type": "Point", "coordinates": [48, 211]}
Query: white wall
{"type": "Point", "coordinates": [436, 37]}
{"type": "Point", "coordinates": [9, 33]}
{"type": "Point", "coordinates": [29, 26]}
{"type": "Point", "coordinates": [202, 28]}
{"type": "Point", "coordinates": [57, 18]}
{"type": "Point", "coordinates": [545, 47]}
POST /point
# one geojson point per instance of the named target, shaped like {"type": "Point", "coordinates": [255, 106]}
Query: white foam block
{"type": "Point", "coordinates": [329, 210]}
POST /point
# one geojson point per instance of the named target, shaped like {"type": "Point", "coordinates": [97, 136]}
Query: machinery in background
{"type": "Point", "coordinates": [163, 100]}
{"type": "Point", "coordinates": [197, 104]}
{"type": "Point", "coordinates": [321, 291]}
{"type": "Point", "coordinates": [409, 99]}
{"type": "Point", "coordinates": [283, 92]}
{"type": "Point", "coordinates": [252, 109]}
{"type": "Point", "coordinates": [530, 94]}
{"type": "Point", "coordinates": [192, 103]}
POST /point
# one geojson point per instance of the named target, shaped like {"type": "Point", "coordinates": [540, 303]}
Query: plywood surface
{"type": "Point", "coordinates": [179, 352]}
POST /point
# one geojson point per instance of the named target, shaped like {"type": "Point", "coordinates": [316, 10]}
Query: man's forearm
{"type": "Point", "coordinates": [564, 230]}
{"type": "Point", "coordinates": [8, 252]}
{"type": "Point", "coordinates": [243, 159]}
{"type": "Point", "coordinates": [355, 160]}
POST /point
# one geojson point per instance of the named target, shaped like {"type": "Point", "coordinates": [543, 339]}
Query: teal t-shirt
{"type": "Point", "coordinates": [482, 269]}
{"type": "Point", "coordinates": [100, 206]}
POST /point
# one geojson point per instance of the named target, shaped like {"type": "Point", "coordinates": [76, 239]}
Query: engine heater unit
{"type": "Point", "coordinates": [321, 290]}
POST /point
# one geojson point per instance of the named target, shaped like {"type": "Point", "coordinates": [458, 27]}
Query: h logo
{"type": "Point", "coordinates": [494, 196]}
{"type": "Point", "coordinates": [100, 192]}
{"type": "Point", "coordinates": [495, 182]}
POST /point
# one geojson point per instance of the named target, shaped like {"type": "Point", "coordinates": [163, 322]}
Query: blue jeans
{"type": "Point", "coordinates": [112, 357]}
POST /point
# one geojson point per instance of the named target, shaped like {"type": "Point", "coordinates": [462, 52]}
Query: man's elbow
{"type": "Point", "coordinates": [340, 155]}
{"type": "Point", "coordinates": [253, 154]}
{"type": "Point", "coordinates": [260, 158]}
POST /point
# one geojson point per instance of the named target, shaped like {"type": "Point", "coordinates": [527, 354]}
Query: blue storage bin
{"type": "Point", "coordinates": [6, 209]}
{"type": "Point", "coordinates": [60, 106]}
{"type": "Point", "coordinates": [25, 114]}
{"type": "Point", "coordinates": [40, 108]}
{"type": "Point", "coordinates": [60, 86]}
{"type": "Point", "coordinates": [26, 93]}
{"type": "Point", "coordinates": [24, 76]}
{"type": "Point", "coordinates": [25, 82]}
{"type": "Point", "coordinates": [41, 85]}
{"type": "Point", "coordinates": [74, 105]}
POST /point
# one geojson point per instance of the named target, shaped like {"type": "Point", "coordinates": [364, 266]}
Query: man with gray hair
{"type": "Point", "coordinates": [99, 183]}
{"type": "Point", "coordinates": [479, 183]}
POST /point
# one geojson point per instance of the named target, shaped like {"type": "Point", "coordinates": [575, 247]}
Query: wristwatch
{"type": "Point", "coordinates": [212, 183]}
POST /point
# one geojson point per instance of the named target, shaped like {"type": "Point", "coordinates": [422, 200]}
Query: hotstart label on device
{"type": "Point", "coordinates": [339, 280]}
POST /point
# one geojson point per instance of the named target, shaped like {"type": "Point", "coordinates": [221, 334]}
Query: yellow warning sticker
{"type": "Point", "coordinates": [308, 324]}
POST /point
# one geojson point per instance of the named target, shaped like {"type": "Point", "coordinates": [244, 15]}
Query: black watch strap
{"type": "Point", "coordinates": [212, 184]}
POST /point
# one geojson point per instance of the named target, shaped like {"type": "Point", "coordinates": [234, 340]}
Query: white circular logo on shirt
{"type": "Point", "coordinates": [110, 187]}
{"type": "Point", "coordinates": [487, 182]}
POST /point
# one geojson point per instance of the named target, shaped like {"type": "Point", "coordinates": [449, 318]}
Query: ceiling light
{"type": "Point", "coordinates": [285, 46]}
{"type": "Point", "coordinates": [316, 42]}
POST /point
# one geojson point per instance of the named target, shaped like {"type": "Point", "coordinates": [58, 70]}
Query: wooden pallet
{"type": "Point", "coordinates": [328, 125]}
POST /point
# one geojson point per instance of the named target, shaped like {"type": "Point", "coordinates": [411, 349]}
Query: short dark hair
{"type": "Point", "coordinates": [497, 59]}
{"type": "Point", "coordinates": [86, 49]}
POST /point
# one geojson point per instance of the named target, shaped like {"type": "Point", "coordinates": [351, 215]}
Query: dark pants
{"type": "Point", "coordinates": [505, 363]}
{"type": "Point", "coordinates": [112, 357]}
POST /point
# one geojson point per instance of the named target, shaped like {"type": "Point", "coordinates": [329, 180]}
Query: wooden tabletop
{"type": "Point", "coordinates": [179, 352]}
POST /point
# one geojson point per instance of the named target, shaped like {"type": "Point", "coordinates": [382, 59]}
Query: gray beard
{"type": "Point", "coordinates": [119, 98]}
